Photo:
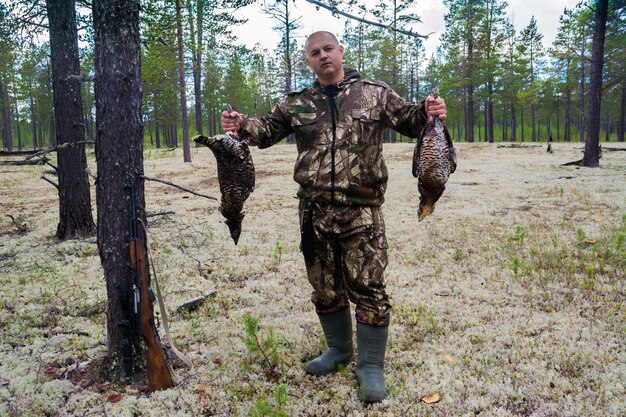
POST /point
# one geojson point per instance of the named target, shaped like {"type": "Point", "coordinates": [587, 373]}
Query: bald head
{"type": "Point", "coordinates": [320, 35]}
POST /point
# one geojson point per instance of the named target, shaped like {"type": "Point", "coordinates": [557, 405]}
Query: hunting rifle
{"type": "Point", "coordinates": [159, 374]}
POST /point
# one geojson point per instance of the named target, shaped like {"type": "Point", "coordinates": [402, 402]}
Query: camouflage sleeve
{"type": "Point", "coordinates": [405, 118]}
{"type": "Point", "coordinates": [267, 130]}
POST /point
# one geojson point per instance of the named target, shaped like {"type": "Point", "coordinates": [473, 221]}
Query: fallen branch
{"type": "Point", "coordinates": [178, 186]}
{"type": "Point", "coordinates": [19, 152]}
{"type": "Point", "coordinates": [27, 161]}
{"type": "Point", "coordinates": [519, 145]}
{"type": "Point", "coordinates": [162, 213]}
{"type": "Point", "coordinates": [195, 304]}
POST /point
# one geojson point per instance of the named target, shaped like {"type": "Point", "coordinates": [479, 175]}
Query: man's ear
{"type": "Point", "coordinates": [341, 49]}
{"type": "Point", "coordinates": [307, 61]}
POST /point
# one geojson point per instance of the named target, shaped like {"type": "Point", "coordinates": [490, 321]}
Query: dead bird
{"type": "Point", "coordinates": [434, 159]}
{"type": "Point", "coordinates": [235, 173]}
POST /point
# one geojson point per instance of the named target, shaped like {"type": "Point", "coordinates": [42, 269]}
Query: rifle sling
{"type": "Point", "coordinates": [166, 326]}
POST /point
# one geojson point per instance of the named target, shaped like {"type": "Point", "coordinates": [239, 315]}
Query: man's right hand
{"type": "Point", "coordinates": [231, 121]}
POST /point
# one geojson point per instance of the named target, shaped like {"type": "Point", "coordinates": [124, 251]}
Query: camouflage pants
{"type": "Point", "coordinates": [350, 259]}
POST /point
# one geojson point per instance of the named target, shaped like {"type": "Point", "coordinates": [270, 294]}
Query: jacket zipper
{"type": "Point", "coordinates": [331, 91]}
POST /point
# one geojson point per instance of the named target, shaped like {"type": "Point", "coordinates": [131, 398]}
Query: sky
{"type": "Point", "coordinates": [258, 29]}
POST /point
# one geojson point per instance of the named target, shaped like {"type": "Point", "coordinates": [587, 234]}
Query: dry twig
{"type": "Point", "coordinates": [178, 186]}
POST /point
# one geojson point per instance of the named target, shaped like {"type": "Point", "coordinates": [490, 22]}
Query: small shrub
{"type": "Point", "coordinates": [265, 349]}
{"type": "Point", "coordinates": [519, 236]}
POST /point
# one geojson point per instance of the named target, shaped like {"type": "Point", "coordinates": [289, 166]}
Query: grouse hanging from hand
{"type": "Point", "coordinates": [434, 159]}
{"type": "Point", "coordinates": [235, 173]}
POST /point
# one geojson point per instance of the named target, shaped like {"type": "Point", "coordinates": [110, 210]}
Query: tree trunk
{"type": "Point", "coordinates": [533, 122]}
{"type": "Point", "coordinates": [568, 116]}
{"type": "Point", "coordinates": [622, 115]}
{"type": "Point", "coordinates": [490, 137]}
{"type": "Point", "coordinates": [485, 120]}
{"type": "Point", "coordinates": [181, 80]}
{"type": "Point", "coordinates": [592, 145]}
{"type": "Point", "coordinates": [75, 218]}
{"type": "Point", "coordinates": [42, 139]}
{"type": "Point", "coordinates": [53, 131]}
{"type": "Point", "coordinates": [7, 129]}
{"type": "Point", "coordinates": [167, 132]}
{"type": "Point", "coordinates": [33, 122]}
{"type": "Point", "coordinates": [504, 125]}
{"type": "Point", "coordinates": [470, 114]}
{"type": "Point", "coordinates": [150, 131]}
{"type": "Point", "coordinates": [581, 119]}
{"type": "Point", "coordinates": [119, 141]}
{"type": "Point", "coordinates": [607, 131]}
{"type": "Point", "coordinates": [17, 118]}
{"type": "Point", "coordinates": [157, 134]}
{"type": "Point", "coordinates": [513, 123]}
{"type": "Point", "coordinates": [90, 129]}
{"type": "Point", "coordinates": [198, 78]}
{"type": "Point", "coordinates": [521, 113]}
{"type": "Point", "coordinates": [558, 121]}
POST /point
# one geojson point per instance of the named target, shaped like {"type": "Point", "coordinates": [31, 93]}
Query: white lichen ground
{"type": "Point", "coordinates": [508, 301]}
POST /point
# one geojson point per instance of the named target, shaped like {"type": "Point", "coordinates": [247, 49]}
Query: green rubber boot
{"type": "Point", "coordinates": [371, 343]}
{"type": "Point", "coordinates": [338, 331]}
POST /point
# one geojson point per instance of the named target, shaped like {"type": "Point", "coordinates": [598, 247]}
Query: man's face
{"type": "Point", "coordinates": [324, 55]}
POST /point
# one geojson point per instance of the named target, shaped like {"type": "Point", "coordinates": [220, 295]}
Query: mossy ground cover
{"type": "Point", "coordinates": [509, 300]}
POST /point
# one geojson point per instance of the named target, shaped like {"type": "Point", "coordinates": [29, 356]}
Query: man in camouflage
{"type": "Point", "coordinates": [338, 124]}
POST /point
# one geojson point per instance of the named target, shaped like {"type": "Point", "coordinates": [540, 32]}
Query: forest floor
{"type": "Point", "coordinates": [509, 300]}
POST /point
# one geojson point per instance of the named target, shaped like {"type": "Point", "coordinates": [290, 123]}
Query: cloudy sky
{"type": "Point", "coordinates": [259, 27]}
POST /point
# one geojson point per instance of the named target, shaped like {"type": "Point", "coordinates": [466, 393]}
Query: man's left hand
{"type": "Point", "coordinates": [436, 107]}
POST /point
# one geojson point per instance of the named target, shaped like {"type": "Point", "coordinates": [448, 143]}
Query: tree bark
{"type": "Point", "coordinates": [505, 125]}
{"type": "Point", "coordinates": [75, 218]}
{"type": "Point", "coordinates": [533, 122]}
{"type": "Point", "coordinates": [197, 66]}
{"type": "Point", "coordinates": [622, 115]}
{"type": "Point", "coordinates": [53, 131]}
{"type": "Point", "coordinates": [513, 123]}
{"type": "Point", "coordinates": [558, 121]}
{"type": "Point", "coordinates": [490, 137]}
{"type": "Point", "coordinates": [157, 133]}
{"type": "Point", "coordinates": [581, 118]}
{"type": "Point", "coordinates": [521, 113]}
{"type": "Point", "coordinates": [183, 89]}
{"type": "Point", "coordinates": [591, 157]}
{"type": "Point", "coordinates": [7, 129]}
{"type": "Point", "coordinates": [17, 117]}
{"type": "Point", "coordinates": [119, 144]}
{"type": "Point", "coordinates": [568, 115]}
{"type": "Point", "coordinates": [42, 139]}
{"type": "Point", "coordinates": [33, 122]}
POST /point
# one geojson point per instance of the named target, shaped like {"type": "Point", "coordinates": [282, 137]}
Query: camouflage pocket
{"type": "Point", "coordinates": [304, 129]}
{"type": "Point", "coordinates": [367, 125]}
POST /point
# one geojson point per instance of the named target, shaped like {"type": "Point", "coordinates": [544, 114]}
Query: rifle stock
{"type": "Point", "coordinates": [159, 375]}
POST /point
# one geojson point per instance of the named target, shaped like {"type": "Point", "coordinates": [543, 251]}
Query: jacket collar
{"type": "Point", "coordinates": [350, 75]}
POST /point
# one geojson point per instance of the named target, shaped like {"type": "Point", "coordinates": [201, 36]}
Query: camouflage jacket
{"type": "Point", "coordinates": [339, 137]}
